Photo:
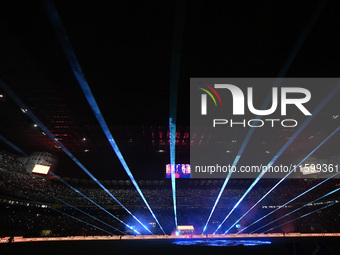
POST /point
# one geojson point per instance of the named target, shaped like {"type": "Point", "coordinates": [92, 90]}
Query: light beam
{"type": "Point", "coordinates": [30, 114]}
{"type": "Point", "coordinates": [277, 83]}
{"type": "Point", "coordinates": [322, 208]}
{"type": "Point", "coordinates": [300, 195]}
{"type": "Point", "coordinates": [301, 207]}
{"type": "Point", "coordinates": [174, 78]}
{"type": "Point", "coordinates": [90, 200]}
{"type": "Point", "coordinates": [316, 111]}
{"type": "Point", "coordinates": [73, 61]}
{"type": "Point", "coordinates": [79, 210]}
{"type": "Point", "coordinates": [13, 146]}
{"type": "Point", "coordinates": [35, 201]}
{"type": "Point", "coordinates": [296, 133]}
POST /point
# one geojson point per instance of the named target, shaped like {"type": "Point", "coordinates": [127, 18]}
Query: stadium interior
{"type": "Point", "coordinates": [94, 100]}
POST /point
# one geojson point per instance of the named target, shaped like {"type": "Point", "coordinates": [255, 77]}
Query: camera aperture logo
{"type": "Point", "coordinates": [301, 97]}
{"type": "Point", "coordinates": [240, 127]}
{"type": "Point", "coordinates": [204, 98]}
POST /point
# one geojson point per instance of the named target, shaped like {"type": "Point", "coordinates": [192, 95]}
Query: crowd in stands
{"type": "Point", "coordinates": [28, 204]}
{"type": "Point", "coordinates": [24, 186]}
{"type": "Point", "coordinates": [9, 161]}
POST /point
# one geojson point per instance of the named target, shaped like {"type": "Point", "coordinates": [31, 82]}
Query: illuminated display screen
{"type": "Point", "coordinates": [180, 170]}
{"type": "Point", "coordinates": [40, 169]}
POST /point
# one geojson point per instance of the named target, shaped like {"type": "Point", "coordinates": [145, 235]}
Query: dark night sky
{"type": "Point", "coordinates": [125, 51]}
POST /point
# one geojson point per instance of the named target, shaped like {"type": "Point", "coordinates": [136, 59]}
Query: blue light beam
{"type": "Point", "coordinates": [13, 146]}
{"type": "Point", "coordinates": [296, 133]}
{"type": "Point", "coordinates": [316, 111]}
{"type": "Point", "coordinates": [174, 79]}
{"type": "Point", "coordinates": [277, 83]}
{"type": "Point", "coordinates": [322, 208]}
{"type": "Point", "coordinates": [93, 202]}
{"type": "Point", "coordinates": [79, 210]}
{"type": "Point", "coordinates": [30, 114]}
{"type": "Point", "coordinates": [301, 207]}
{"type": "Point", "coordinates": [303, 193]}
{"type": "Point", "coordinates": [18, 149]}
{"type": "Point", "coordinates": [81, 221]}
{"type": "Point", "coordinates": [66, 45]}
{"type": "Point", "coordinates": [50, 207]}
{"type": "Point", "coordinates": [172, 165]}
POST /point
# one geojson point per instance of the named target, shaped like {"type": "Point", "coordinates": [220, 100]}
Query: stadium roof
{"type": "Point", "coordinates": [125, 51]}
